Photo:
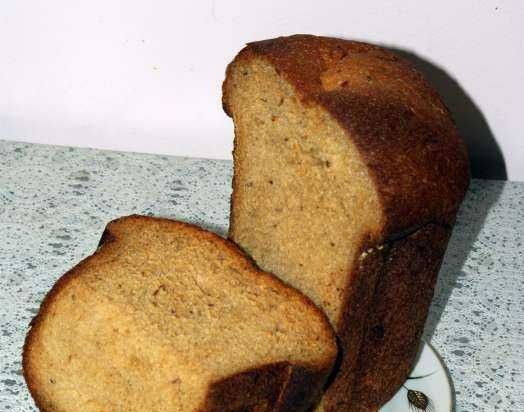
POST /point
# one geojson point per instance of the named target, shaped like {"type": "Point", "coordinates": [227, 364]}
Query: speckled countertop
{"type": "Point", "coordinates": [55, 202]}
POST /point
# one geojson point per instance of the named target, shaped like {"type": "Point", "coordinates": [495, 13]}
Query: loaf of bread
{"type": "Point", "coordinates": [348, 175]}
{"type": "Point", "coordinates": [167, 317]}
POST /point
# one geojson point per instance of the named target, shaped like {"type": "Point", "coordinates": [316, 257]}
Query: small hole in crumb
{"type": "Point", "coordinates": [244, 72]}
{"type": "Point", "coordinates": [161, 287]}
{"type": "Point", "coordinates": [328, 163]}
{"type": "Point", "coordinates": [281, 102]}
{"type": "Point", "coordinates": [344, 84]}
{"type": "Point", "coordinates": [270, 182]}
{"type": "Point", "coordinates": [263, 99]}
{"type": "Point", "coordinates": [332, 243]}
{"type": "Point", "coordinates": [273, 118]}
{"type": "Point", "coordinates": [377, 331]}
{"type": "Point", "coordinates": [52, 381]}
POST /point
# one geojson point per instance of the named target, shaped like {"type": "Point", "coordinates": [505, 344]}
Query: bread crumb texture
{"type": "Point", "coordinates": [303, 199]}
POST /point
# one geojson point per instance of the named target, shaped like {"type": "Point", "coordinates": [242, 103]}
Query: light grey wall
{"type": "Point", "coordinates": [146, 75]}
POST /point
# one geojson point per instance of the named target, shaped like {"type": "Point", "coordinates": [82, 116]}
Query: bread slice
{"type": "Point", "coordinates": [348, 174]}
{"type": "Point", "coordinates": [168, 317]}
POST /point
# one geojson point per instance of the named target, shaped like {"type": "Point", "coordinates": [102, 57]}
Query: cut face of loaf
{"type": "Point", "coordinates": [303, 200]}
{"type": "Point", "coordinates": [169, 317]}
{"type": "Point", "coordinates": [348, 175]}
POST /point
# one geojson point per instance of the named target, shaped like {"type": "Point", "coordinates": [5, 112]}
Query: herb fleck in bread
{"type": "Point", "coordinates": [348, 175]}
{"type": "Point", "coordinates": [168, 317]}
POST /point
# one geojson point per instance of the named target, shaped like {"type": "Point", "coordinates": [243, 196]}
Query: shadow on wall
{"type": "Point", "coordinates": [487, 161]}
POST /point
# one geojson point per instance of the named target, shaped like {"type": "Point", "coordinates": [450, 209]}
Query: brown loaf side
{"type": "Point", "coordinates": [418, 164]}
{"type": "Point", "coordinates": [392, 291]}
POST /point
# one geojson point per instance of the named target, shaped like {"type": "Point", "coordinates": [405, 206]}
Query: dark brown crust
{"type": "Point", "coordinates": [277, 387]}
{"type": "Point", "coordinates": [410, 145]}
{"type": "Point", "coordinates": [360, 293]}
{"type": "Point", "coordinates": [384, 318]}
{"type": "Point", "coordinates": [279, 384]}
{"type": "Point", "coordinates": [398, 123]}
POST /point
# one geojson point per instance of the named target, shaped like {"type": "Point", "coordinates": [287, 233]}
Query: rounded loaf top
{"type": "Point", "coordinates": [400, 126]}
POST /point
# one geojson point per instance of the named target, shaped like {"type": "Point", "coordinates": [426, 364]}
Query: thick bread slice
{"type": "Point", "coordinates": [168, 317]}
{"type": "Point", "coordinates": [348, 174]}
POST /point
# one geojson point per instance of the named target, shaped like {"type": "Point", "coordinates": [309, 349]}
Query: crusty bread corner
{"type": "Point", "coordinates": [285, 385]}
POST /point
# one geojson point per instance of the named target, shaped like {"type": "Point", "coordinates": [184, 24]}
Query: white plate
{"type": "Point", "coordinates": [436, 386]}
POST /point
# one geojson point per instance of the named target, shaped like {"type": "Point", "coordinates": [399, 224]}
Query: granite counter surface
{"type": "Point", "coordinates": [55, 202]}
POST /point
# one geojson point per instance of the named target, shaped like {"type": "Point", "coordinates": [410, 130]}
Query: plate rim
{"type": "Point", "coordinates": [449, 387]}
{"type": "Point", "coordinates": [446, 401]}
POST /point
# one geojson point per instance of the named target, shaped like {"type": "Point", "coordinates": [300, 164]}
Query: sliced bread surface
{"type": "Point", "coordinates": [168, 317]}
{"type": "Point", "coordinates": [348, 175]}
